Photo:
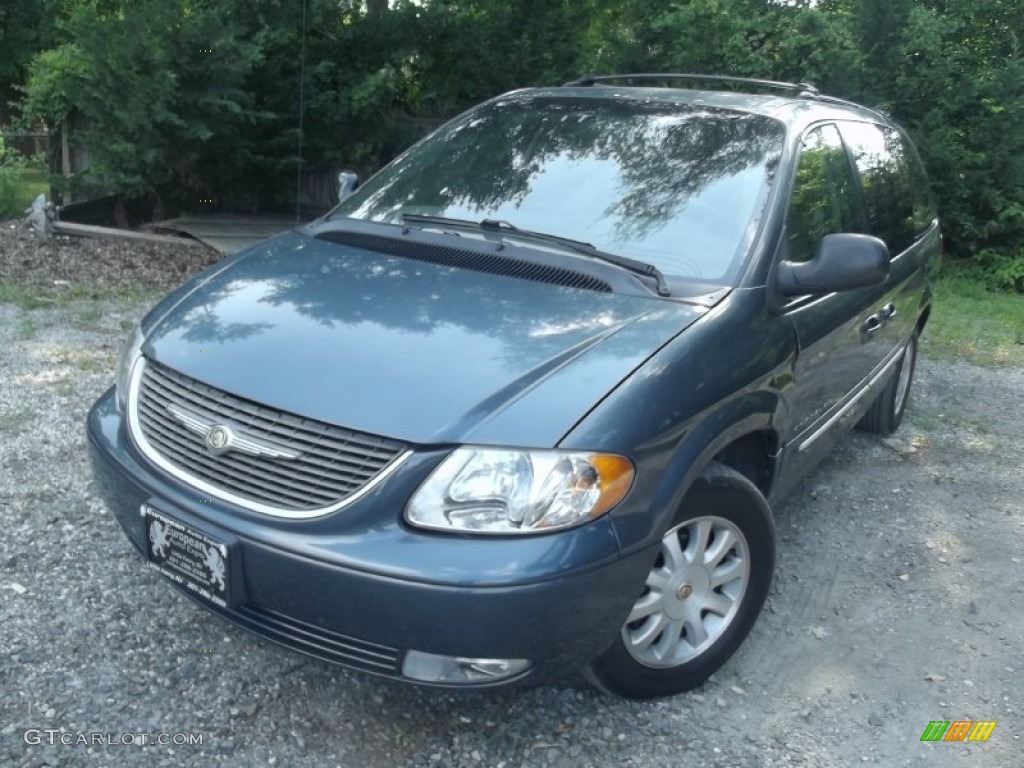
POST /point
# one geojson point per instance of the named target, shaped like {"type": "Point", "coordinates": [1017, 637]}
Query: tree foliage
{"type": "Point", "coordinates": [191, 100]}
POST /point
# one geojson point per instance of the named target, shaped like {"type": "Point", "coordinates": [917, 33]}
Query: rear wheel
{"type": "Point", "coordinates": [886, 413]}
{"type": "Point", "coordinates": [702, 595]}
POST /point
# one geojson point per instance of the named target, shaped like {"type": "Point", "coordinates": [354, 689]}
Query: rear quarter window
{"type": "Point", "coordinates": [897, 197]}
{"type": "Point", "coordinates": [923, 200]}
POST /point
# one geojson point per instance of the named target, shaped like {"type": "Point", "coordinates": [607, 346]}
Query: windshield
{"type": "Point", "coordinates": [677, 186]}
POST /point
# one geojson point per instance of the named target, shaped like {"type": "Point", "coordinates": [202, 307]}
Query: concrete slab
{"type": "Point", "coordinates": [227, 233]}
{"type": "Point", "coordinates": [91, 230]}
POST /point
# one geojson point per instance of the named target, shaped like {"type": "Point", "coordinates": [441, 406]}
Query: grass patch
{"type": "Point", "coordinates": [26, 329]}
{"type": "Point", "coordinates": [923, 419]}
{"type": "Point", "coordinates": [19, 185]}
{"type": "Point", "coordinates": [33, 182]}
{"type": "Point", "coordinates": [84, 360]}
{"type": "Point", "coordinates": [65, 387]}
{"type": "Point", "coordinates": [38, 296]}
{"type": "Point", "coordinates": [89, 313]}
{"type": "Point", "coordinates": [12, 421]}
{"type": "Point", "coordinates": [970, 322]}
{"type": "Point", "coordinates": [25, 297]}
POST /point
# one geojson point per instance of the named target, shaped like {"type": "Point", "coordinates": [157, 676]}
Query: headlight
{"type": "Point", "coordinates": [493, 490]}
{"type": "Point", "coordinates": [126, 362]}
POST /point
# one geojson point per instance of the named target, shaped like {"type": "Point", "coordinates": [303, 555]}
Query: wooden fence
{"type": "Point", "coordinates": [28, 144]}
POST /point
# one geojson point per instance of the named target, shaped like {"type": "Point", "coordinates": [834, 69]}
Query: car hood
{"type": "Point", "coordinates": [410, 350]}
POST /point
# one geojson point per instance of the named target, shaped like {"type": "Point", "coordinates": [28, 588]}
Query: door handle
{"type": "Point", "coordinates": [871, 325]}
{"type": "Point", "coordinates": [889, 311]}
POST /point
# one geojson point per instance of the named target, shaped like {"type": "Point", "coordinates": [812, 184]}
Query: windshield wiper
{"type": "Point", "coordinates": [494, 225]}
{"type": "Point", "coordinates": [444, 221]}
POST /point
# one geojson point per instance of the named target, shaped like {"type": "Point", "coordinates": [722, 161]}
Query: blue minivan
{"type": "Point", "coordinates": [519, 405]}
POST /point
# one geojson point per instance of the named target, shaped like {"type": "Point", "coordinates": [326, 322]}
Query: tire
{"type": "Point", "coordinates": [886, 413]}
{"type": "Point", "coordinates": [703, 624]}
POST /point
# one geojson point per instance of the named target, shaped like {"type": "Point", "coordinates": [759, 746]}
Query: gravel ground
{"type": "Point", "coordinates": [898, 600]}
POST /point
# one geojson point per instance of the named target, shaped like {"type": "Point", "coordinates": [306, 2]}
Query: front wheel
{"type": "Point", "coordinates": [702, 595]}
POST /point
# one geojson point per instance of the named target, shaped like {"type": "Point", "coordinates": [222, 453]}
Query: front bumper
{"type": "Point", "coordinates": [360, 588]}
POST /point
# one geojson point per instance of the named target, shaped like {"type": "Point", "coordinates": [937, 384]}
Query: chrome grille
{"type": "Point", "coordinates": [334, 465]}
{"type": "Point", "coordinates": [319, 642]}
{"type": "Point", "coordinates": [307, 638]}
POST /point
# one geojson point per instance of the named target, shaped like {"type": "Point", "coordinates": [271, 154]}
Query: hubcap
{"type": "Point", "coordinates": [903, 383]}
{"type": "Point", "coordinates": [692, 593]}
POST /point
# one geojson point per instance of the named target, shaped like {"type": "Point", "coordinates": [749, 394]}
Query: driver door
{"type": "Point", "coordinates": [837, 345]}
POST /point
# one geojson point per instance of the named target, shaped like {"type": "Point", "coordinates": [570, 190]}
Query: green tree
{"type": "Point", "coordinates": [188, 100]}
{"type": "Point", "coordinates": [955, 78]}
{"type": "Point", "coordinates": [168, 94]}
{"type": "Point", "coordinates": [25, 29]}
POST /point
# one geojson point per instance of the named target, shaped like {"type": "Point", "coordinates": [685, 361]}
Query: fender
{"type": "Point", "coordinates": [641, 525]}
{"type": "Point", "coordinates": [686, 403]}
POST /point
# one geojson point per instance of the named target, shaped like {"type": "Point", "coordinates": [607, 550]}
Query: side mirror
{"type": "Point", "coordinates": [840, 263]}
{"type": "Point", "coordinates": [348, 182]}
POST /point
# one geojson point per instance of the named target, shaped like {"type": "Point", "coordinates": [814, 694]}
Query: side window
{"type": "Point", "coordinates": [824, 199]}
{"type": "Point", "coordinates": [895, 212]}
{"type": "Point", "coordinates": [920, 189]}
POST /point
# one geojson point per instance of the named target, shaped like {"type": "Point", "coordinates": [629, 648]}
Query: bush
{"type": "Point", "coordinates": [12, 192]}
{"type": "Point", "coordinates": [1002, 271]}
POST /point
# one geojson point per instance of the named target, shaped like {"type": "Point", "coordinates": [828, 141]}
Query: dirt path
{"type": "Point", "coordinates": [898, 600]}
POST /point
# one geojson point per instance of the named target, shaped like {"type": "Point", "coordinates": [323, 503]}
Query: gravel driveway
{"type": "Point", "coordinates": [898, 599]}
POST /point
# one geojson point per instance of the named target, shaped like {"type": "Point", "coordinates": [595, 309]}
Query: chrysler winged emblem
{"type": "Point", "coordinates": [221, 438]}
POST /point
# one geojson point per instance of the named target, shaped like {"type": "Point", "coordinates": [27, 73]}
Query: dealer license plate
{"type": "Point", "coordinates": [186, 556]}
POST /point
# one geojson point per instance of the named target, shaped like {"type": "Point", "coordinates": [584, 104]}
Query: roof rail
{"type": "Point", "coordinates": [846, 103]}
{"type": "Point", "coordinates": [800, 89]}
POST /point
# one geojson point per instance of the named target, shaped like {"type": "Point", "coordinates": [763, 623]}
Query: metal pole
{"type": "Point", "coordinates": [302, 111]}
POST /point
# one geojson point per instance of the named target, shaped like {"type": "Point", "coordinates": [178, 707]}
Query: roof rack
{"type": "Point", "coordinates": [800, 89]}
{"type": "Point", "coordinates": [846, 103]}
